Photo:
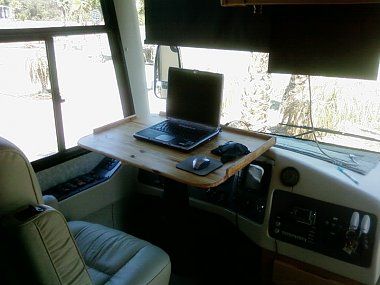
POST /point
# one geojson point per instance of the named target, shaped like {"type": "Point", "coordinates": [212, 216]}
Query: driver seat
{"type": "Point", "coordinates": [39, 247]}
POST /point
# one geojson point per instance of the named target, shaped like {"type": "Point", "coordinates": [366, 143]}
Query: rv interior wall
{"type": "Point", "coordinates": [130, 35]}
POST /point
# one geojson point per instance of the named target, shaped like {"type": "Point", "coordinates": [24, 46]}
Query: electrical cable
{"type": "Point", "coordinates": [235, 190]}
{"type": "Point", "coordinates": [237, 220]}
{"type": "Point", "coordinates": [239, 121]}
{"type": "Point", "coordinates": [334, 160]}
{"type": "Point", "coordinates": [239, 178]}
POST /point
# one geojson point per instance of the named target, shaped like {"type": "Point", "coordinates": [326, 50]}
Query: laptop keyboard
{"type": "Point", "coordinates": [180, 131]}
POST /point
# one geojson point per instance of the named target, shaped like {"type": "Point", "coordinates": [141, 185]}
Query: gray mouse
{"type": "Point", "coordinates": [200, 163]}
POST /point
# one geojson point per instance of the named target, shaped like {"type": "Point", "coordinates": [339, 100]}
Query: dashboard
{"type": "Point", "coordinates": [317, 216]}
{"type": "Point", "coordinates": [340, 232]}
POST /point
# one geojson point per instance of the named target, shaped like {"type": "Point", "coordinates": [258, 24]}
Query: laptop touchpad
{"type": "Point", "coordinates": [164, 138]}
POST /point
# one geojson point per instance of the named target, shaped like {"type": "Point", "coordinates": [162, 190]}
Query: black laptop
{"type": "Point", "coordinates": [192, 110]}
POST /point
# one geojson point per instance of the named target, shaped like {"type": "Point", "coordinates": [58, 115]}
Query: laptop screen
{"type": "Point", "coordinates": [194, 96]}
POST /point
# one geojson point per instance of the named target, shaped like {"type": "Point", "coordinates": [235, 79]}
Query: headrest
{"type": "Point", "coordinates": [19, 186]}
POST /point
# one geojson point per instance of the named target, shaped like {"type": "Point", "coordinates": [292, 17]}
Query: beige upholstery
{"type": "Point", "coordinates": [39, 247]}
{"type": "Point", "coordinates": [48, 254]}
{"type": "Point", "coordinates": [124, 259]}
{"type": "Point", "coordinates": [19, 185]}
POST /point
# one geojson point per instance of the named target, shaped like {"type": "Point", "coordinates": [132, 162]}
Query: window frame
{"type": "Point", "coordinates": [46, 35]}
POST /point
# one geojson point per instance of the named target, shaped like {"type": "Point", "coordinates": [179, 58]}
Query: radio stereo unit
{"type": "Point", "coordinates": [336, 231]}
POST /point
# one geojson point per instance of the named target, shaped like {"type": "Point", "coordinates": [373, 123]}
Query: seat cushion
{"type": "Point", "coordinates": [114, 257]}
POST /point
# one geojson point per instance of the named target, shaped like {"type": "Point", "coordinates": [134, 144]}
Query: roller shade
{"type": "Point", "coordinates": [327, 40]}
{"type": "Point", "coordinates": [341, 41]}
{"type": "Point", "coordinates": [204, 23]}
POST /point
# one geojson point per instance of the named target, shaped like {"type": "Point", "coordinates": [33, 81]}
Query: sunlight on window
{"type": "Point", "coordinates": [345, 111]}
{"type": "Point", "coordinates": [26, 116]}
{"type": "Point", "coordinates": [18, 14]}
{"type": "Point", "coordinates": [87, 83]}
{"type": "Point", "coordinates": [279, 103]}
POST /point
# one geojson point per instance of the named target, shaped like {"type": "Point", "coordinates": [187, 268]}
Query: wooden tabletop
{"type": "Point", "coordinates": [116, 140]}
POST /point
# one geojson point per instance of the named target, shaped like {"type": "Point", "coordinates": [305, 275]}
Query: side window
{"type": "Point", "coordinates": [166, 57]}
{"type": "Point", "coordinates": [87, 84]}
{"type": "Point", "coordinates": [157, 60]}
{"type": "Point", "coordinates": [26, 112]}
{"type": "Point", "coordinates": [59, 80]}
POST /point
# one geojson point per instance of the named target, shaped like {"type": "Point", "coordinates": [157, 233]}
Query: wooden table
{"type": "Point", "coordinates": [116, 140]}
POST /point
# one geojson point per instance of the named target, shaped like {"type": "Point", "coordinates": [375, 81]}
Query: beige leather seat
{"type": "Point", "coordinates": [38, 246]}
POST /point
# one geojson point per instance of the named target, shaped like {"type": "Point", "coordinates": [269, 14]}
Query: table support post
{"type": "Point", "coordinates": [175, 196]}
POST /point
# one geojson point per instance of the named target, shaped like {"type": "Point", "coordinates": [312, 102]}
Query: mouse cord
{"type": "Point", "coordinates": [239, 178]}
{"type": "Point", "coordinates": [246, 125]}
{"type": "Point", "coordinates": [236, 195]}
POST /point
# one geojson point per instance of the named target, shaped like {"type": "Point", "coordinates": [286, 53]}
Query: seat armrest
{"type": "Point", "coordinates": [51, 201]}
{"type": "Point", "coordinates": [38, 242]}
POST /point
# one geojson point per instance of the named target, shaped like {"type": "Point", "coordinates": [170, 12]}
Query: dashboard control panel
{"type": "Point", "coordinates": [336, 231]}
{"type": "Point", "coordinates": [245, 194]}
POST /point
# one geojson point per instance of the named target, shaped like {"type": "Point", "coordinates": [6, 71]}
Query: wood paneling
{"type": "Point", "coordinates": [116, 140]}
{"type": "Point", "coordinates": [283, 270]}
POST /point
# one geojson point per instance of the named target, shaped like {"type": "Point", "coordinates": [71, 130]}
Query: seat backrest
{"type": "Point", "coordinates": [18, 182]}
{"type": "Point", "coordinates": [35, 241]}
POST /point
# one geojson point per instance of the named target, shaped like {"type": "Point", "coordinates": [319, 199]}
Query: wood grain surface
{"type": "Point", "coordinates": [116, 140]}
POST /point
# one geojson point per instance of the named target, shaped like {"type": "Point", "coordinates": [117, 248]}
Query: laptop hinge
{"type": "Point", "coordinates": [193, 125]}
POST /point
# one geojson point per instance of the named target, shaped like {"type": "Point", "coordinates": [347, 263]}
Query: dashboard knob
{"type": "Point", "coordinates": [289, 176]}
{"type": "Point", "coordinates": [365, 225]}
{"type": "Point", "coordinates": [354, 222]}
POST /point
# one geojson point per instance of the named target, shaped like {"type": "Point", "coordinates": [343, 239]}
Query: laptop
{"type": "Point", "coordinates": [192, 109]}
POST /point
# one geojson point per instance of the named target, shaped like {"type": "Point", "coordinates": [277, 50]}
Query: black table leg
{"type": "Point", "coordinates": [176, 197]}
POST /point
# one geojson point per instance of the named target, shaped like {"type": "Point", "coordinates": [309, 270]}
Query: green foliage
{"type": "Point", "coordinates": [140, 11]}
{"type": "Point", "coordinates": [34, 9]}
{"type": "Point", "coordinates": [5, 2]}
{"type": "Point", "coordinates": [39, 72]}
{"type": "Point", "coordinates": [79, 11]}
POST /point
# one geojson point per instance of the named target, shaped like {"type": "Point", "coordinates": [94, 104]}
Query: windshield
{"type": "Point", "coordinates": [344, 111]}
{"type": "Point", "coordinates": [341, 114]}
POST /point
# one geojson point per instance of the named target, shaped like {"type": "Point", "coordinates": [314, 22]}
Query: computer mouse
{"type": "Point", "coordinates": [230, 150]}
{"type": "Point", "coordinates": [200, 163]}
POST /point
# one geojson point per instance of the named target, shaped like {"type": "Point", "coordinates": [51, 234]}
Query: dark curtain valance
{"type": "Point", "coordinates": [329, 40]}
{"type": "Point", "coordinates": [341, 41]}
{"type": "Point", "coordinates": [204, 23]}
